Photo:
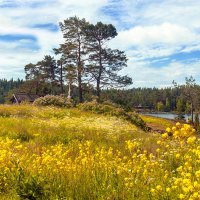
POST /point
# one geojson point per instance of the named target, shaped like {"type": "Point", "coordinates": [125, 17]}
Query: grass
{"type": "Point", "coordinates": [157, 123]}
{"type": "Point", "coordinates": [52, 153]}
{"type": "Point", "coordinates": [53, 125]}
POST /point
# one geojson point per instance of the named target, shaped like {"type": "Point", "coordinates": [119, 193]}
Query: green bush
{"type": "Point", "coordinates": [109, 108]}
{"type": "Point", "coordinates": [103, 108]}
{"type": "Point", "coordinates": [137, 120]}
{"type": "Point", "coordinates": [51, 100]}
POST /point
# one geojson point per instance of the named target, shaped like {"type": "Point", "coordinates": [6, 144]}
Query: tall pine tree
{"type": "Point", "coordinates": [104, 63]}
{"type": "Point", "coordinates": [73, 50]}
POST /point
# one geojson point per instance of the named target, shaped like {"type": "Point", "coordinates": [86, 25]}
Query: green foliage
{"type": "Point", "coordinates": [187, 108]}
{"type": "Point", "coordinates": [82, 41]}
{"type": "Point", "coordinates": [104, 108]}
{"type": "Point", "coordinates": [104, 63]}
{"type": "Point", "coordinates": [29, 187]}
{"type": "Point", "coordinates": [137, 120]}
{"type": "Point", "coordinates": [6, 86]}
{"type": "Point", "coordinates": [160, 106]}
{"type": "Point", "coordinates": [191, 93]}
{"type": "Point", "coordinates": [51, 100]}
{"type": "Point", "coordinates": [4, 182]}
{"type": "Point", "coordinates": [108, 108]}
{"type": "Point", "coordinates": [167, 105]}
{"type": "Point", "coordinates": [42, 77]}
{"type": "Point", "coordinates": [23, 136]}
{"type": "Point", "coordinates": [180, 116]}
{"type": "Point", "coordinates": [180, 106]}
{"type": "Point", "coordinates": [147, 97]}
{"type": "Point", "coordinates": [73, 52]}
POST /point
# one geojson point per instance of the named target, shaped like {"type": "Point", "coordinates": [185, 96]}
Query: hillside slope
{"type": "Point", "coordinates": [51, 125]}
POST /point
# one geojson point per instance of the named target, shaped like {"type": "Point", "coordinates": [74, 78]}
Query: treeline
{"type": "Point", "coordinates": [183, 98]}
{"type": "Point", "coordinates": [165, 100]}
{"type": "Point", "coordinates": [180, 98]}
{"type": "Point", "coordinates": [158, 99]}
{"type": "Point", "coordinates": [8, 85]}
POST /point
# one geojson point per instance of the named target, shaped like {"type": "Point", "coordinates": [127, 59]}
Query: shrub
{"type": "Point", "coordinates": [180, 117]}
{"type": "Point", "coordinates": [137, 120]}
{"type": "Point", "coordinates": [104, 108]}
{"type": "Point", "coordinates": [51, 100]}
{"type": "Point", "coordinates": [109, 108]}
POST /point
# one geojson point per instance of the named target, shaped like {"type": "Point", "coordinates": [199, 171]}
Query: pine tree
{"type": "Point", "coordinates": [167, 105]}
{"type": "Point", "coordinates": [180, 106]}
{"type": "Point", "coordinates": [61, 74]}
{"type": "Point", "coordinates": [33, 77]}
{"type": "Point", "coordinates": [73, 50]}
{"type": "Point", "coordinates": [42, 76]}
{"type": "Point", "coordinates": [104, 63]}
{"type": "Point", "coordinates": [48, 69]}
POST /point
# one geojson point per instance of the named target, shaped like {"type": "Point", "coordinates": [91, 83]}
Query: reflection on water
{"type": "Point", "coordinates": [165, 115]}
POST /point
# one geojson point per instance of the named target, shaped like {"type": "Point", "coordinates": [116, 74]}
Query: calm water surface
{"type": "Point", "coordinates": [165, 115]}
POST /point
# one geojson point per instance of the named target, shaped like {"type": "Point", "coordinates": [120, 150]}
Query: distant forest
{"type": "Point", "coordinates": [166, 99]}
{"type": "Point", "coordinates": [7, 86]}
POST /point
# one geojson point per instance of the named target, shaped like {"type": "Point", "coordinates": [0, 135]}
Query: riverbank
{"type": "Point", "coordinates": [157, 124]}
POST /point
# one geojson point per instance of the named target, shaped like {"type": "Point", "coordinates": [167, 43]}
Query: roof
{"type": "Point", "coordinates": [143, 107]}
{"type": "Point", "coordinates": [24, 97]}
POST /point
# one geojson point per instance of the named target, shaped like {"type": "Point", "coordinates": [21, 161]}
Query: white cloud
{"type": "Point", "coordinates": [18, 20]}
{"type": "Point", "coordinates": [146, 76]}
{"type": "Point", "coordinates": [166, 33]}
{"type": "Point", "coordinates": [147, 29]}
{"type": "Point", "coordinates": [156, 41]}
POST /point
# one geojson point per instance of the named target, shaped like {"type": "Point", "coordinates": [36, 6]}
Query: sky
{"type": "Point", "coordinates": [161, 38]}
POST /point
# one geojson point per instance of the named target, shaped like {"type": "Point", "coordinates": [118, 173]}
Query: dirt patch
{"type": "Point", "coordinates": [156, 128]}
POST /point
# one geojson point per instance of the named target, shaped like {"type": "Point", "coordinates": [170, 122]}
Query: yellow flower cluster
{"type": "Point", "coordinates": [183, 133]}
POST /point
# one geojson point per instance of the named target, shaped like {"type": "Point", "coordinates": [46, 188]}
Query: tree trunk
{"type": "Point", "coordinates": [98, 89]}
{"type": "Point", "coordinates": [192, 112]}
{"type": "Point", "coordinates": [100, 72]}
{"type": "Point", "coordinates": [61, 78]}
{"type": "Point", "coordinates": [69, 91]}
{"type": "Point", "coordinates": [37, 88]}
{"type": "Point", "coordinates": [80, 74]}
{"type": "Point", "coordinates": [80, 87]}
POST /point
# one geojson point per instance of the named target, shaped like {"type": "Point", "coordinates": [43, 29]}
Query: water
{"type": "Point", "coordinates": [166, 115]}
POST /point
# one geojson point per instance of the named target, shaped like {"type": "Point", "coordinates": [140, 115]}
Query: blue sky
{"type": "Point", "coordinates": [160, 37]}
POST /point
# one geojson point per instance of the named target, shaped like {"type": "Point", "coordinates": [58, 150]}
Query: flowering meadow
{"type": "Point", "coordinates": [53, 153]}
